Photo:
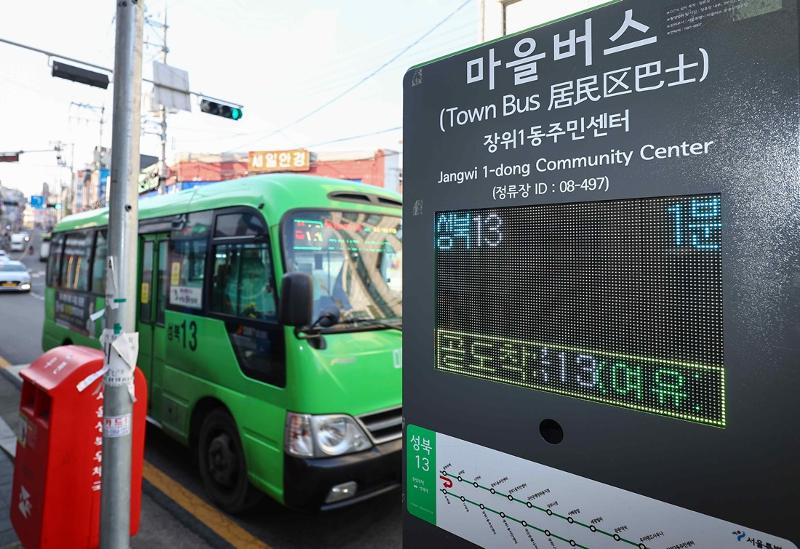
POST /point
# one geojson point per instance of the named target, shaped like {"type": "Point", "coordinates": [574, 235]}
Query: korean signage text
{"type": "Point", "coordinates": [295, 160]}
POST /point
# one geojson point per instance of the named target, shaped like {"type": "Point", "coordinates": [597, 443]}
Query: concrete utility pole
{"type": "Point", "coordinates": [162, 171]}
{"type": "Point", "coordinates": [59, 149]}
{"type": "Point", "coordinates": [161, 28]}
{"type": "Point", "coordinates": [119, 335]}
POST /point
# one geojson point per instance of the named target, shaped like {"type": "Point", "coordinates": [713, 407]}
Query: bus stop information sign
{"type": "Point", "coordinates": [602, 342]}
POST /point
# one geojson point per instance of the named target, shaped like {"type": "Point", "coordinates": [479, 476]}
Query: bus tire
{"type": "Point", "coordinates": [222, 464]}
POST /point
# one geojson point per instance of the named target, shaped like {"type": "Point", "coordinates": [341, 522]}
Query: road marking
{"type": "Point", "coordinates": [218, 521]}
{"type": "Point", "coordinates": [37, 296]}
{"type": "Point", "coordinates": [4, 363]}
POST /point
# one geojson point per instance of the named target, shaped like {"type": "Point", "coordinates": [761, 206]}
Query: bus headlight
{"type": "Point", "coordinates": [337, 435]}
{"type": "Point", "coordinates": [322, 436]}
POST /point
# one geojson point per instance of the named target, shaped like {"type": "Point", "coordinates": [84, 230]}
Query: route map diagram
{"type": "Point", "coordinates": [501, 501]}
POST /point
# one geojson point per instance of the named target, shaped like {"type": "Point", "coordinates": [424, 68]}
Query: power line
{"type": "Point", "coordinates": [354, 137]}
{"type": "Point", "coordinates": [452, 43]}
{"type": "Point", "coordinates": [377, 70]}
{"type": "Point", "coordinates": [367, 77]}
{"type": "Point", "coordinates": [429, 52]}
{"type": "Point", "coordinates": [335, 69]}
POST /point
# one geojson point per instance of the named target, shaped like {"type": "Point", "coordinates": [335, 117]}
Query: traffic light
{"type": "Point", "coordinates": [220, 109]}
{"type": "Point", "coordinates": [81, 75]}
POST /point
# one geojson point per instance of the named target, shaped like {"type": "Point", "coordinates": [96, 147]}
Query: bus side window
{"type": "Point", "coordinates": [99, 264]}
{"type": "Point", "coordinates": [75, 263]}
{"type": "Point", "coordinates": [161, 298]}
{"type": "Point", "coordinates": [187, 261]}
{"type": "Point", "coordinates": [243, 294]}
{"type": "Point", "coordinates": [239, 224]}
{"type": "Point", "coordinates": [54, 260]}
{"type": "Point", "coordinates": [145, 293]}
{"type": "Point", "coordinates": [243, 281]}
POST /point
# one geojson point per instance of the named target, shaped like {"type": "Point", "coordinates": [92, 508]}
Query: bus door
{"type": "Point", "coordinates": [153, 250]}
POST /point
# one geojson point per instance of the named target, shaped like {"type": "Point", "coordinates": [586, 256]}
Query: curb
{"type": "Point", "coordinates": [8, 437]}
{"type": "Point", "coordinates": [11, 377]}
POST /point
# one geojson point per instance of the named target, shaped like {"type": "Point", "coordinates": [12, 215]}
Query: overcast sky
{"type": "Point", "coordinates": [281, 60]}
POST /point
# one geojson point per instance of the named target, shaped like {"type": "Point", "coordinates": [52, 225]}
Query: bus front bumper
{"type": "Point", "coordinates": [307, 482]}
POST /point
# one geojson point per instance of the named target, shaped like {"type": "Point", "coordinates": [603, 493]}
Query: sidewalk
{"type": "Point", "coordinates": [162, 523]}
{"type": "Point", "coordinates": [7, 536]}
{"type": "Point", "coordinates": [9, 402]}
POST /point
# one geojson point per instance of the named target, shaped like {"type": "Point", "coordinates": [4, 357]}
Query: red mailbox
{"type": "Point", "coordinates": [55, 498]}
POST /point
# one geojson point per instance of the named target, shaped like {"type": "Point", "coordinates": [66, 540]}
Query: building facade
{"type": "Point", "coordinates": [12, 207]}
{"type": "Point", "coordinates": [12, 211]}
{"type": "Point", "coordinates": [380, 168]}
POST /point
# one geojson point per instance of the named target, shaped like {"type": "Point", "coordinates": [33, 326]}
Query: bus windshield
{"type": "Point", "coordinates": [355, 260]}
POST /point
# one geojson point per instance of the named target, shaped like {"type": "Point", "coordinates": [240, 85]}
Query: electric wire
{"type": "Point", "coordinates": [354, 137]}
{"type": "Point", "coordinates": [366, 78]}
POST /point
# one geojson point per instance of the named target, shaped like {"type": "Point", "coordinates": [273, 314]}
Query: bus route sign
{"type": "Point", "coordinates": [604, 212]}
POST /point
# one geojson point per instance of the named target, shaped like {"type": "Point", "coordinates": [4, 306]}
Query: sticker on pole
{"type": "Point", "coordinates": [117, 426]}
{"type": "Point", "coordinates": [122, 362]}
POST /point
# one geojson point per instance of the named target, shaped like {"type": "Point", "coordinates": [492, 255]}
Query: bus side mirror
{"type": "Point", "coordinates": [297, 299]}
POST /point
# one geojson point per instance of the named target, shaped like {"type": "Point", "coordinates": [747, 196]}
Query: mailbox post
{"type": "Point", "coordinates": [603, 310]}
{"type": "Point", "coordinates": [55, 500]}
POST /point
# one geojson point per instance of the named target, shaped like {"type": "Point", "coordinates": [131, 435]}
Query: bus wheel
{"type": "Point", "coordinates": [222, 464]}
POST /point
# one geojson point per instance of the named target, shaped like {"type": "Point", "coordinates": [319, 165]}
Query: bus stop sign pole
{"type": "Point", "coordinates": [119, 338]}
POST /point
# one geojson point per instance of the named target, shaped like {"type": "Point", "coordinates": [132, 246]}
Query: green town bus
{"type": "Point", "coordinates": [269, 313]}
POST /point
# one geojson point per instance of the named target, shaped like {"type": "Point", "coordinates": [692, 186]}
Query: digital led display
{"type": "Point", "coordinates": [334, 232]}
{"type": "Point", "coordinates": [618, 302]}
{"type": "Point", "coordinates": [308, 234]}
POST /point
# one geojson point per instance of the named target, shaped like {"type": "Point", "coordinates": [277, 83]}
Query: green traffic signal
{"type": "Point", "coordinates": [220, 109]}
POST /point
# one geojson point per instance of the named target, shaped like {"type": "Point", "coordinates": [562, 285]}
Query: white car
{"type": "Point", "coordinates": [14, 277]}
{"type": "Point", "coordinates": [19, 241]}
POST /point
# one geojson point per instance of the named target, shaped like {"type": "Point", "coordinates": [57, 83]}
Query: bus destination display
{"type": "Point", "coordinates": [617, 302]}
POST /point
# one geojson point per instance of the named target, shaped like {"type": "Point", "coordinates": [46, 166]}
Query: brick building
{"type": "Point", "coordinates": [380, 168]}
